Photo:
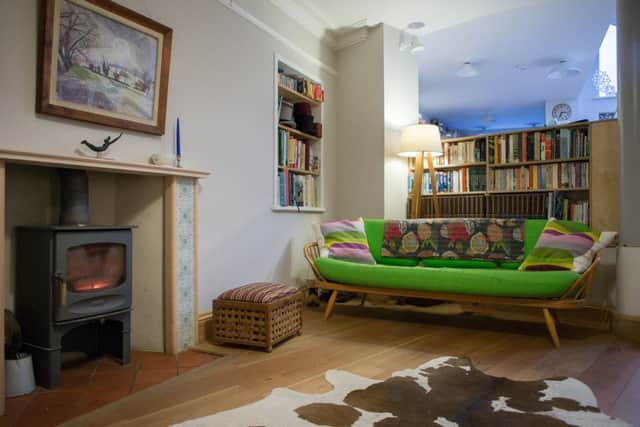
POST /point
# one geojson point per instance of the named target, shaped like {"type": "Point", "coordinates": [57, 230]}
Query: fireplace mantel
{"type": "Point", "coordinates": [92, 163]}
{"type": "Point", "coordinates": [179, 235]}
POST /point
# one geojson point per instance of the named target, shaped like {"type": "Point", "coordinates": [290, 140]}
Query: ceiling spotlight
{"type": "Point", "coordinates": [521, 67]}
{"type": "Point", "coordinates": [414, 26]}
{"type": "Point", "coordinates": [416, 47]}
{"type": "Point", "coordinates": [563, 71]}
{"type": "Point", "coordinates": [467, 70]}
{"type": "Point", "coordinates": [405, 41]}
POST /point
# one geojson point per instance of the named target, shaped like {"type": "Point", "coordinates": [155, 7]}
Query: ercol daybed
{"type": "Point", "coordinates": [454, 281]}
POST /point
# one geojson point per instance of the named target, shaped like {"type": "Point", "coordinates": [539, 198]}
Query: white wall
{"type": "Point", "coordinates": [221, 86]}
{"type": "Point", "coordinates": [401, 105]}
{"type": "Point", "coordinates": [361, 128]}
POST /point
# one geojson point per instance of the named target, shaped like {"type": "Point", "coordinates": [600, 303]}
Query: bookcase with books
{"type": "Point", "coordinates": [298, 140]}
{"type": "Point", "coordinates": [530, 173]}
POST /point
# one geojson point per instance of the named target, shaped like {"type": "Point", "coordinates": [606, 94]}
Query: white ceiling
{"type": "Point", "coordinates": [494, 34]}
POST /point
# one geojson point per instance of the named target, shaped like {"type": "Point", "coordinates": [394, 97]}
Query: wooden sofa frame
{"type": "Point", "coordinates": [574, 297]}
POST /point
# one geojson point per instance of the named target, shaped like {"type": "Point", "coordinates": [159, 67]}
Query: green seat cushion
{"type": "Point", "coordinates": [473, 281]}
{"type": "Point", "coordinates": [375, 231]}
{"type": "Point", "coordinates": [458, 263]}
{"type": "Point", "coordinates": [509, 265]}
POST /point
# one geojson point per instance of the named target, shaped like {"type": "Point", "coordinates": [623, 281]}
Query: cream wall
{"type": "Point", "coordinates": [401, 107]}
{"type": "Point", "coordinates": [377, 96]}
{"type": "Point", "coordinates": [361, 128]}
{"type": "Point", "coordinates": [221, 86]}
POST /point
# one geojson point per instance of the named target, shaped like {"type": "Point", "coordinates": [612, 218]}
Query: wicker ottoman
{"type": "Point", "coordinates": [257, 314]}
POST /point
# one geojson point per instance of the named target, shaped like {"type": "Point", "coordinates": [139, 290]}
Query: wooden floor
{"type": "Point", "coordinates": [376, 342]}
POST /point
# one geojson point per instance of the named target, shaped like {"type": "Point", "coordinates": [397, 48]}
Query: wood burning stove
{"type": "Point", "coordinates": [73, 290]}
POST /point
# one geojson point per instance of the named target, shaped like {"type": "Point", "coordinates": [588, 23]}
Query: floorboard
{"type": "Point", "coordinates": [375, 343]}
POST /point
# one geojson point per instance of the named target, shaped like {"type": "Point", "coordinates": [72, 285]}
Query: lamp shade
{"type": "Point", "coordinates": [420, 138]}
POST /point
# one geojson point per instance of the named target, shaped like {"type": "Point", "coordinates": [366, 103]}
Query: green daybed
{"type": "Point", "coordinates": [454, 280]}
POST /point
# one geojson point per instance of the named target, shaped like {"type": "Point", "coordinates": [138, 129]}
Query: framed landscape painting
{"type": "Point", "coordinates": [103, 63]}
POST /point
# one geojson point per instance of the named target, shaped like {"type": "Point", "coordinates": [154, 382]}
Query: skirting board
{"type": "Point", "coordinates": [204, 327]}
{"type": "Point", "coordinates": [627, 326]}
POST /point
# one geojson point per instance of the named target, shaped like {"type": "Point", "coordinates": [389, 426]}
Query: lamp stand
{"type": "Point", "coordinates": [418, 172]}
{"type": "Point", "coordinates": [416, 194]}
{"type": "Point", "coordinates": [434, 187]}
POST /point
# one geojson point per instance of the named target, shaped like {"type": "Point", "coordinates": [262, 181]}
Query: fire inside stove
{"type": "Point", "coordinates": [95, 266]}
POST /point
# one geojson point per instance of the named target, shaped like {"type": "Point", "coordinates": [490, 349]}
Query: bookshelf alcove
{"type": "Point", "coordinates": [298, 152]}
{"type": "Point", "coordinates": [567, 171]}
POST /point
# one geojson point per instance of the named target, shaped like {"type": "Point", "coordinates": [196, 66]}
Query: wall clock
{"type": "Point", "coordinates": [561, 112]}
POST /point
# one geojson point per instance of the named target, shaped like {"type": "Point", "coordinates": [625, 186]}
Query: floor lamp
{"type": "Point", "coordinates": [416, 141]}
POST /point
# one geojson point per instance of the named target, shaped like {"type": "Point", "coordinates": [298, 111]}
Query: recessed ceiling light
{"type": "Point", "coordinates": [467, 70]}
{"type": "Point", "coordinates": [563, 71]}
{"type": "Point", "coordinates": [521, 67]}
{"type": "Point", "coordinates": [416, 47]}
{"type": "Point", "coordinates": [413, 26]}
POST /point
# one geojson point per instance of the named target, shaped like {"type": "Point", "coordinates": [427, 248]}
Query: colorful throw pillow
{"type": "Point", "coordinates": [563, 246]}
{"type": "Point", "coordinates": [345, 240]}
{"type": "Point", "coordinates": [488, 239]}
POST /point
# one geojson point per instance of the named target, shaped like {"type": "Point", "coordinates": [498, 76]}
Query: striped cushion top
{"type": "Point", "coordinates": [346, 240]}
{"type": "Point", "coordinates": [260, 292]}
{"type": "Point", "coordinates": [562, 246]}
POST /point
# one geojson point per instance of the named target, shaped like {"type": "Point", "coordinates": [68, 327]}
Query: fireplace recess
{"type": "Point", "coordinates": [73, 290]}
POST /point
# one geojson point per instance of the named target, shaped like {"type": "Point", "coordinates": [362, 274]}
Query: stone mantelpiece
{"type": "Point", "coordinates": [179, 227]}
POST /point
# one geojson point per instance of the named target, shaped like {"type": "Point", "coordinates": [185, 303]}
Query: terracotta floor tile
{"type": "Point", "coordinates": [49, 408]}
{"type": "Point", "coordinates": [190, 358]}
{"type": "Point", "coordinates": [152, 360]}
{"type": "Point", "coordinates": [88, 384]}
{"type": "Point", "coordinates": [14, 407]}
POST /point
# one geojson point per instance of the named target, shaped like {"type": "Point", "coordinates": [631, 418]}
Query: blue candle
{"type": "Point", "coordinates": [178, 138]}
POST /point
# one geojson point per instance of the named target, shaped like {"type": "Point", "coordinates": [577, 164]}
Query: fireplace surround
{"type": "Point", "coordinates": [168, 223]}
{"type": "Point", "coordinates": [73, 292]}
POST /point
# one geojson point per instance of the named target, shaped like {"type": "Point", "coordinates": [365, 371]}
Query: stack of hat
{"type": "Point", "coordinates": [286, 114]}
{"type": "Point", "coordinates": [303, 117]}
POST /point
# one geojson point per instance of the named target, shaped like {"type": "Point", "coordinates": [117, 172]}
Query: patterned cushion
{"type": "Point", "coordinates": [485, 239]}
{"type": "Point", "coordinates": [261, 292]}
{"type": "Point", "coordinates": [345, 240]}
{"type": "Point", "coordinates": [562, 246]}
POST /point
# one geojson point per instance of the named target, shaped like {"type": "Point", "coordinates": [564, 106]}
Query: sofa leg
{"type": "Point", "coordinates": [329, 309]}
{"type": "Point", "coordinates": [551, 325]}
{"type": "Point", "coordinates": [364, 297]}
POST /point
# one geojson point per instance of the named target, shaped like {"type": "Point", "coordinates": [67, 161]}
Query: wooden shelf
{"type": "Point", "coordinates": [92, 163]}
{"type": "Point", "coordinates": [538, 162]}
{"type": "Point", "coordinates": [299, 134]}
{"type": "Point", "coordinates": [461, 193]}
{"type": "Point", "coordinates": [295, 96]}
{"type": "Point", "coordinates": [542, 190]}
{"type": "Point", "coordinates": [299, 171]}
{"type": "Point", "coordinates": [296, 209]}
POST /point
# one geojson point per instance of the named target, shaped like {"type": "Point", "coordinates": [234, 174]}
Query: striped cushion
{"type": "Point", "coordinates": [346, 240]}
{"type": "Point", "coordinates": [562, 246]}
{"type": "Point", "coordinates": [261, 292]}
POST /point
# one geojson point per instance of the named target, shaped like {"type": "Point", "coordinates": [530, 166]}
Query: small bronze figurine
{"type": "Point", "coordinates": [101, 149]}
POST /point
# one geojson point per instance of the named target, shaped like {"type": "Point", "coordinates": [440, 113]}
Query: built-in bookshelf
{"type": "Point", "coordinates": [530, 173]}
{"type": "Point", "coordinates": [298, 150]}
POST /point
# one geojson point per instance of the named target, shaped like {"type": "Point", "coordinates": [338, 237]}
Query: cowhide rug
{"type": "Point", "coordinates": [447, 391]}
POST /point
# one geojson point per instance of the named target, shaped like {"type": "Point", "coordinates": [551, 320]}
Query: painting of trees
{"type": "Point", "coordinates": [77, 33]}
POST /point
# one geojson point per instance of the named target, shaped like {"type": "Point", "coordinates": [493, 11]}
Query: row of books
{"type": "Point", "coordinates": [297, 190]}
{"type": "Point", "coordinates": [542, 145]}
{"type": "Point", "coordinates": [454, 181]}
{"type": "Point", "coordinates": [462, 153]}
{"type": "Point", "coordinates": [540, 177]}
{"type": "Point", "coordinates": [561, 207]}
{"type": "Point", "coordinates": [296, 153]}
{"type": "Point", "coordinates": [301, 85]}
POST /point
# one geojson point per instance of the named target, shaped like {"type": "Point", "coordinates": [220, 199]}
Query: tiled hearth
{"type": "Point", "coordinates": [89, 384]}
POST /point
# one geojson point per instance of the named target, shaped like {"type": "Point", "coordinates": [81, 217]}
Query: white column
{"type": "Point", "coordinates": [628, 271]}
